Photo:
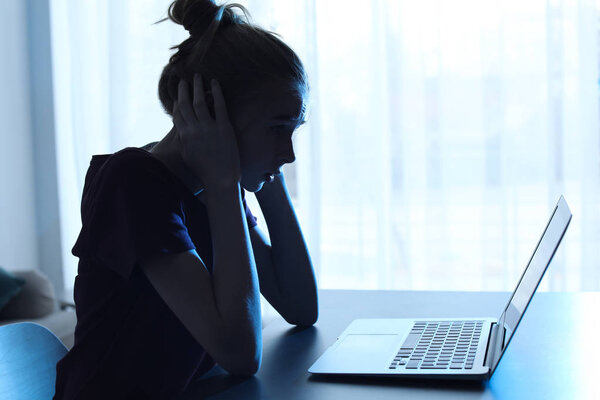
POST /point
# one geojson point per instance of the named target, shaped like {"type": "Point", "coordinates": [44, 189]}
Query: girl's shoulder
{"type": "Point", "coordinates": [130, 173]}
{"type": "Point", "coordinates": [130, 165]}
{"type": "Point", "coordinates": [129, 159]}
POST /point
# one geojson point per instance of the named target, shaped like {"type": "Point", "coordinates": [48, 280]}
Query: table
{"type": "Point", "coordinates": [555, 353]}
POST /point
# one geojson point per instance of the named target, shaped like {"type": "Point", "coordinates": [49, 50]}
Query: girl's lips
{"type": "Point", "coordinates": [269, 177]}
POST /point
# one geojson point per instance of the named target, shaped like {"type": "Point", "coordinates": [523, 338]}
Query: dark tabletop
{"type": "Point", "coordinates": [555, 353]}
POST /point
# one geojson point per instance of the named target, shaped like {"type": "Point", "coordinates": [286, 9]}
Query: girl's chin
{"type": "Point", "coordinates": [253, 182]}
{"type": "Point", "coordinates": [254, 186]}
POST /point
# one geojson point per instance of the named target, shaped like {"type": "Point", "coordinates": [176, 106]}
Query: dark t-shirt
{"type": "Point", "coordinates": [128, 343]}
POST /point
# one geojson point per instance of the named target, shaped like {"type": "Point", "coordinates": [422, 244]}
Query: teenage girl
{"type": "Point", "coordinates": [171, 260]}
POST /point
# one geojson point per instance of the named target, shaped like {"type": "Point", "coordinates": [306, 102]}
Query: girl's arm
{"type": "Point", "coordinates": [221, 311]}
{"type": "Point", "coordinates": [285, 272]}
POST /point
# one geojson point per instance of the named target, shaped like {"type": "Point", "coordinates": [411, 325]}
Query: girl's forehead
{"type": "Point", "coordinates": [283, 103]}
{"type": "Point", "coordinates": [269, 104]}
{"type": "Point", "coordinates": [275, 104]}
{"type": "Point", "coordinates": [291, 108]}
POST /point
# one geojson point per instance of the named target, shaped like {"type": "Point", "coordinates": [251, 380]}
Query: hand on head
{"type": "Point", "coordinates": [208, 145]}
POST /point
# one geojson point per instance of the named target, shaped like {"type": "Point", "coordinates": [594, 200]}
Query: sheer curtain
{"type": "Point", "coordinates": [440, 133]}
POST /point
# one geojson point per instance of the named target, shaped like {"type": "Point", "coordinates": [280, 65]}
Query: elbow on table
{"type": "Point", "coordinates": [243, 364]}
{"type": "Point", "coordinates": [298, 311]}
{"type": "Point", "coordinates": [304, 319]}
{"type": "Point", "coordinates": [240, 355]}
{"type": "Point", "coordinates": [245, 369]}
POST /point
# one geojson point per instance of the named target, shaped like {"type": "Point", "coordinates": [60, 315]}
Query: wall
{"type": "Point", "coordinates": [30, 234]}
{"type": "Point", "coordinates": [18, 245]}
{"type": "Point", "coordinates": [48, 232]}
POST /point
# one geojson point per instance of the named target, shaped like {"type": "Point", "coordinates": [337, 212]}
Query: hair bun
{"type": "Point", "coordinates": [200, 15]}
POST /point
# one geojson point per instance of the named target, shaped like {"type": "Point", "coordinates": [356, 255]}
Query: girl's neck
{"type": "Point", "coordinates": [167, 151]}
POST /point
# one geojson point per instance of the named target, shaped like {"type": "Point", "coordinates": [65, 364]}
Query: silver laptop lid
{"type": "Point", "coordinates": [530, 280]}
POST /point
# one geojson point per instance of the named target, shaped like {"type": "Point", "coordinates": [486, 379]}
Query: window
{"type": "Point", "coordinates": [440, 134]}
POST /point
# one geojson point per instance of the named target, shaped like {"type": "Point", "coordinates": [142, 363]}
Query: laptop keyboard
{"type": "Point", "coordinates": [439, 345]}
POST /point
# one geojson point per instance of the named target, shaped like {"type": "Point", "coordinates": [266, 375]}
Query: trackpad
{"type": "Point", "coordinates": [367, 350]}
{"type": "Point", "coordinates": [368, 343]}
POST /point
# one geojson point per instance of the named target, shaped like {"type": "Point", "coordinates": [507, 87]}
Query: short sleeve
{"type": "Point", "coordinates": [131, 214]}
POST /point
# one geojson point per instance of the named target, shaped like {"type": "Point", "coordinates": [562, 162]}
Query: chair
{"type": "Point", "coordinates": [39, 303]}
{"type": "Point", "coordinates": [28, 356]}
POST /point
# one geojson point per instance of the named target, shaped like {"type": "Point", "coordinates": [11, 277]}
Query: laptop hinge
{"type": "Point", "coordinates": [491, 346]}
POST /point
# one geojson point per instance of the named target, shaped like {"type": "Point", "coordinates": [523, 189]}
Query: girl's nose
{"type": "Point", "coordinates": [288, 156]}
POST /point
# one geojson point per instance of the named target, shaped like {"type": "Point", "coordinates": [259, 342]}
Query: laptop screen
{"type": "Point", "coordinates": [553, 234]}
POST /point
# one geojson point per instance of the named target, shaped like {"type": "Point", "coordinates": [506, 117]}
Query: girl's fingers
{"type": "Point", "coordinates": [220, 107]}
{"type": "Point", "coordinates": [178, 121]}
{"type": "Point", "coordinates": [200, 99]}
{"type": "Point", "coordinates": [183, 103]}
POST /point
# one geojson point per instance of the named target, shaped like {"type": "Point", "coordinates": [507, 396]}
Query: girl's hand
{"type": "Point", "coordinates": [208, 145]}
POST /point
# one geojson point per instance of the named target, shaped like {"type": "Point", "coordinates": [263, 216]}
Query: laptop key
{"type": "Point", "coordinates": [411, 341]}
{"type": "Point", "coordinates": [432, 346]}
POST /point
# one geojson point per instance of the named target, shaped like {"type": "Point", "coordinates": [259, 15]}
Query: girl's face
{"type": "Point", "coordinates": [264, 133]}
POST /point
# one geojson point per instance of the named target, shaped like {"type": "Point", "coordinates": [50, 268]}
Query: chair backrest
{"type": "Point", "coordinates": [28, 356]}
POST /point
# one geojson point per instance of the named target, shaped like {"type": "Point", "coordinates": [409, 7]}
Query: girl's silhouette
{"type": "Point", "coordinates": [171, 260]}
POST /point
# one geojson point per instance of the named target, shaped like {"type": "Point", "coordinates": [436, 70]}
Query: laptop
{"type": "Point", "coordinates": [454, 348]}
